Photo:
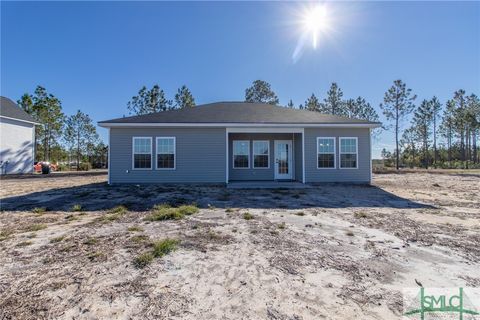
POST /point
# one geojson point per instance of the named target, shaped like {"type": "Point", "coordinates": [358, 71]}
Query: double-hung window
{"type": "Point", "coordinates": [241, 154]}
{"type": "Point", "coordinates": [142, 153]}
{"type": "Point", "coordinates": [348, 153]}
{"type": "Point", "coordinates": [325, 153]}
{"type": "Point", "coordinates": [165, 152]}
{"type": "Point", "coordinates": [261, 154]}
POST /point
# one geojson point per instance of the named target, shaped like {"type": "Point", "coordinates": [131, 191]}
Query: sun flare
{"type": "Point", "coordinates": [316, 21]}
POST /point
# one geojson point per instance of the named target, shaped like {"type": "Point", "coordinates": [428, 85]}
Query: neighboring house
{"type": "Point", "coordinates": [238, 141]}
{"type": "Point", "coordinates": [17, 138]}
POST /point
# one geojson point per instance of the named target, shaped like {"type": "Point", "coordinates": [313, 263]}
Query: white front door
{"type": "Point", "coordinates": [283, 159]}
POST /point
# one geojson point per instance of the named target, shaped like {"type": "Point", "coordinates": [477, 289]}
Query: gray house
{"type": "Point", "coordinates": [237, 141]}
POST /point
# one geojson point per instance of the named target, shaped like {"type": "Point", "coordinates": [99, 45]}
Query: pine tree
{"type": "Point", "coordinates": [184, 98]}
{"type": "Point", "coordinates": [290, 104]}
{"type": "Point", "coordinates": [333, 103]}
{"type": "Point", "coordinates": [149, 101]}
{"type": "Point", "coordinates": [261, 92]}
{"type": "Point", "coordinates": [397, 103]}
{"type": "Point", "coordinates": [312, 103]}
{"type": "Point", "coordinates": [81, 135]}
{"type": "Point", "coordinates": [422, 122]}
{"type": "Point", "coordinates": [436, 108]}
{"type": "Point", "coordinates": [447, 128]}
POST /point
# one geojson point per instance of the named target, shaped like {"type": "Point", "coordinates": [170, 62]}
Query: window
{"type": "Point", "coordinates": [165, 152]}
{"type": "Point", "coordinates": [142, 153]}
{"type": "Point", "coordinates": [261, 154]}
{"type": "Point", "coordinates": [325, 153]}
{"type": "Point", "coordinates": [241, 154]}
{"type": "Point", "coordinates": [348, 153]}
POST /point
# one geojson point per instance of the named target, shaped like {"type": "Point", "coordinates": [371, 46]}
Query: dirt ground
{"type": "Point", "coordinates": [327, 252]}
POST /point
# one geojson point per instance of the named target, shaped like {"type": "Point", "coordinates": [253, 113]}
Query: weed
{"type": "Point", "coordinates": [360, 214]}
{"type": "Point", "coordinates": [163, 247]}
{"type": "Point", "coordinates": [39, 210]}
{"type": "Point", "coordinates": [76, 208]}
{"type": "Point", "coordinates": [24, 243]}
{"type": "Point", "coordinates": [143, 260]}
{"type": "Point", "coordinates": [229, 210]}
{"type": "Point", "coordinates": [300, 213]}
{"type": "Point", "coordinates": [90, 241]}
{"type": "Point", "coordinates": [248, 216]}
{"type": "Point", "coordinates": [36, 227]}
{"type": "Point", "coordinates": [281, 226]}
{"type": "Point", "coordinates": [57, 239]}
{"type": "Point", "coordinates": [135, 229]}
{"type": "Point", "coordinates": [32, 235]}
{"type": "Point", "coordinates": [118, 210]}
{"type": "Point", "coordinates": [165, 212]}
{"type": "Point", "coordinates": [349, 233]}
{"type": "Point", "coordinates": [71, 217]}
{"type": "Point", "coordinates": [94, 255]}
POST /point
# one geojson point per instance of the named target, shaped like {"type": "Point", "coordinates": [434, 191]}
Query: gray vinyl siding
{"type": "Point", "coordinates": [360, 175]}
{"type": "Point", "coordinates": [297, 148]}
{"type": "Point", "coordinates": [200, 156]}
{"type": "Point", "coordinates": [240, 174]}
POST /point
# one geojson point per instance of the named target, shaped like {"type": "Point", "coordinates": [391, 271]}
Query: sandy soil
{"type": "Point", "coordinates": [328, 252]}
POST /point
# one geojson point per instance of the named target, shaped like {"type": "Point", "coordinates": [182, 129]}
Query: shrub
{"type": "Point", "coordinates": [85, 166]}
{"type": "Point", "coordinates": [76, 207]}
{"type": "Point", "coordinates": [118, 209]}
{"type": "Point", "coordinates": [143, 260]}
{"type": "Point", "coordinates": [248, 216]}
{"type": "Point", "coordinates": [163, 247]}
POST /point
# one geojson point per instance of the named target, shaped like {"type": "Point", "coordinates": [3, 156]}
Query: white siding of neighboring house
{"type": "Point", "coordinates": [16, 146]}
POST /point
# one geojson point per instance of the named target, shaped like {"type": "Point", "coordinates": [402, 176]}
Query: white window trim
{"type": "Point", "coordinates": [233, 154]}
{"type": "Point", "coordinates": [356, 153]}
{"type": "Point", "coordinates": [133, 153]}
{"type": "Point", "coordinates": [334, 153]}
{"type": "Point", "coordinates": [253, 152]}
{"type": "Point", "coordinates": [174, 153]}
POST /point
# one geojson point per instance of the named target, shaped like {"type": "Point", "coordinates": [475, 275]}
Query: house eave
{"type": "Point", "coordinates": [21, 120]}
{"type": "Point", "coordinates": [239, 125]}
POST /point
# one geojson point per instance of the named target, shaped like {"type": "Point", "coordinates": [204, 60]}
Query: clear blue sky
{"type": "Point", "coordinates": [95, 55]}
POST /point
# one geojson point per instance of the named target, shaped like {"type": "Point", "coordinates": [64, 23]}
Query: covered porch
{"type": "Point", "coordinates": [265, 154]}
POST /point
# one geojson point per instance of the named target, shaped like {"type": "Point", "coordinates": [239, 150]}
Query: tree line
{"type": "Point", "coordinates": [61, 138]}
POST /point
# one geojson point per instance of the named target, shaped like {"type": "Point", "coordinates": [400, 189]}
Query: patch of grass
{"type": "Point", "coordinates": [135, 229]}
{"type": "Point", "coordinates": [163, 247]}
{"type": "Point", "coordinates": [360, 214]}
{"type": "Point", "coordinates": [36, 227]}
{"type": "Point", "coordinates": [248, 216]}
{"type": "Point", "coordinates": [57, 239]}
{"type": "Point", "coordinates": [5, 234]}
{"type": "Point", "coordinates": [143, 260]}
{"type": "Point", "coordinates": [24, 243]}
{"type": "Point", "coordinates": [76, 208]}
{"type": "Point", "coordinates": [90, 241]}
{"type": "Point", "coordinates": [118, 210]}
{"type": "Point", "coordinates": [165, 212]}
{"type": "Point", "coordinates": [39, 210]}
{"type": "Point", "coordinates": [300, 213]}
{"type": "Point", "coordinates": [139, 238]}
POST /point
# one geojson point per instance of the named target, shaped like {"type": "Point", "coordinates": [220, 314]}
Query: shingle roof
{"type": "Point", "coordinates": [9, 109]}
{"type": "Point", "coordinates": [238, 112]}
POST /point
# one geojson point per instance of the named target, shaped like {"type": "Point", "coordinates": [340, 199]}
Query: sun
{"type": "Point", "coordinates": [316, 21]}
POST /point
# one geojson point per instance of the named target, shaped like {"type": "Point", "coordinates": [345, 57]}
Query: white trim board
{"type": "Point", "coordinates": [231, 126]}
